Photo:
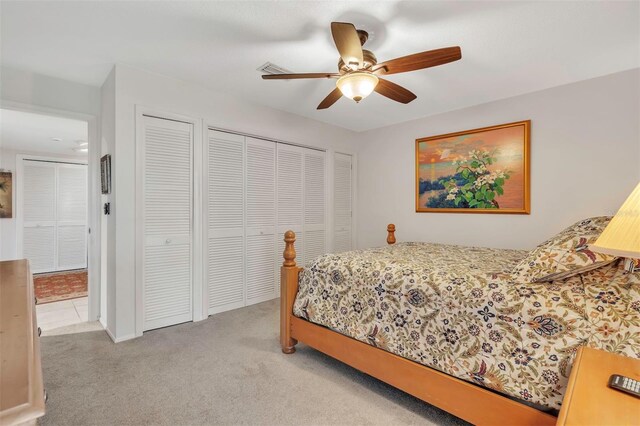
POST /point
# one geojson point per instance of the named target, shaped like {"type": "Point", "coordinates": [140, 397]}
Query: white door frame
{"type": "Point", "coordinates": [93, 208]}
{"type": "Point", "coordinates": [197, 306]}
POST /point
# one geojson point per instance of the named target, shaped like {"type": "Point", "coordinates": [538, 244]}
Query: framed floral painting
{"type": "Point", "coordinates": [475, 171]}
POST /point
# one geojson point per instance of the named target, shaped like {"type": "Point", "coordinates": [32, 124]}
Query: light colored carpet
{"type": "Point", "coordinates": [224, 370]}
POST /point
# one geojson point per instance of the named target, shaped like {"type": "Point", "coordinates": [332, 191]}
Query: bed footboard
{"type": "Point", "coordinates": [289, 276]}
{"type": "Point", "coordinates": [468, 401]}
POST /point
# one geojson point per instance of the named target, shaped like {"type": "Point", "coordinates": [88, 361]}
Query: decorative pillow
{"type": "Point", "coordinates": [565, 254]}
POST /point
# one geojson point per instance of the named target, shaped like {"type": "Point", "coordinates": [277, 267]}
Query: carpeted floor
{"type": "Point", "coordinates": [56, 286]}
{"type": "Point", "coordinates": [224, 370]}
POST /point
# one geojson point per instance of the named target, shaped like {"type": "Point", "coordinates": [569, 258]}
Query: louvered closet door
{"type": "Point", "coordinates": [290, 203]}
{"type": "Point", "coordinates": [167, 222]}
{"type": "Point", "coordinates": [39, 215]}
{"type": "Point", "coordinates": [260, 235]}
{"type": "Point", "coordinates": [314, 204]}
{"type": "Point", "coordinates": [72, 216]}
{"type": "Point", "coordinates": [342, 203]}
{"type": "Point", "coordinates": [225, 217]}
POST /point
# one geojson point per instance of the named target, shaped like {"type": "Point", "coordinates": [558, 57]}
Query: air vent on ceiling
{"type": "Point", "coordinates": [269, 68]}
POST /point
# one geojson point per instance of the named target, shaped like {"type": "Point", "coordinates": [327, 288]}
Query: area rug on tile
{"type": "Point", "coordinates": [58, 286]}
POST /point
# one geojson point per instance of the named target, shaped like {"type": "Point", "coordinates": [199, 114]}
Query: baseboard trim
{"type": "Point", "coordinates": [120, 339]}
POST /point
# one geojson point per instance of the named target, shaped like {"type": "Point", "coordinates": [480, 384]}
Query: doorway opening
{"type": "Point", "coordinates": [46, 157]}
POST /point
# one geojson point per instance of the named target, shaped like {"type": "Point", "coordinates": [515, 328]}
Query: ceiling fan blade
{"type": "Point", "coordinates": [347, 42]}
{"type": "Point", "coordinates": [394, 91]}
{"type": "Point", "coordinates": [331, 99]}
{"type": "Point", "coordinates": [418, 61]}
{"type": "Point", "coordinates": [295, 76]}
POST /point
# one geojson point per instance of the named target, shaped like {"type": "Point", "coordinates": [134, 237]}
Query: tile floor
{"type": "Point", "coordinates": [63, 313]}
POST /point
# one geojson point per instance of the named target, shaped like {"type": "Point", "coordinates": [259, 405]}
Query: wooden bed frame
{"type": "Point", "coordinates": [470, 402]}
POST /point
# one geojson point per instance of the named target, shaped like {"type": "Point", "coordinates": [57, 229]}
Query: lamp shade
{"type": "Point", "coordinates": [622, 236]}
{"type": "Point", "coordinates": [357, 85]}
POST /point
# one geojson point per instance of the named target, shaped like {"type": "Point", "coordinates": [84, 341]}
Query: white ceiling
{"type": "Point", "coordinates": [28, 132]}
{"type": "Point", "coordinates": [508, 48]}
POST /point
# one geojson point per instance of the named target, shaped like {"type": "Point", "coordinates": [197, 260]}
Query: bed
{"type": "Point", "coordinates": [453, 327]}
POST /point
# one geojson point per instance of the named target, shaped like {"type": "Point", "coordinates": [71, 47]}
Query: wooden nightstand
{"type": "Point", "coordinates": [589, 401]}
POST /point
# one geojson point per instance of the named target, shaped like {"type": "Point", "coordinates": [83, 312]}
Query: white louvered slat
{"type": "Point", "coordinates": [167, 286]}
{"type": "Point", "coordinates": [290, 202]}
{"type": "Point", "coordinates": [290, 187]}
{"type": "Point", "coordinates": [72, 192]}
{"type": "Point", "coordinates": [54, 203]}
{"type": "Point", "coordinates": [72, 247]}
{"type": "Point", "coordinates": [260, 225]}
{"type": "Point", "coordinates": [314, 244]}
{"type": "Point", "coordinates": [314, 240]}
{"type": "Point", "coordinates": [167, 218]}
{"type": "Point", "coordinates": [260, 184]}
{"type": "Point", "coordinates": [226, 180]}
{"type": "Point", "coordinates": [225, 212]}
{"type": "Point", "coordinates": [39, 215]}
{"type": "Point", "coordinates": [226, 273]}
{"type": "Point", "coordinates": [342, 203]}
{"type": "Point", "coordinates": [167, 191]}
{"type": "Point", "coordinates": [72, 216]}
{"type": "Point", "coordinates": [260, 268]}
{"type": "Point", "coordinates": [39, 247]}
{"type": "Point", "coordinates": [314, 185]}
{"type": "Point", "coordinates": [39, 191]}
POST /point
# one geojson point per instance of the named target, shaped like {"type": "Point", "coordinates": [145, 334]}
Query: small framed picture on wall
{"type": "Point", "coordinates": [6, 195]}
{"type": "Point", "coordinates": [105, 173]}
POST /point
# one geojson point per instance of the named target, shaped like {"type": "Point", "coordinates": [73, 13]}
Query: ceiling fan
{"type": "Point", "coordinates": [359, 70]}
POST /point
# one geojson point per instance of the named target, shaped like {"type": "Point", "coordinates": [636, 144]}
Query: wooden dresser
{"type": "Point", "coordinates": [21, 387]}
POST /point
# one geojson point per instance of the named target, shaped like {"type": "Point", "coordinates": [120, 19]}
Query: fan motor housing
{"type": "Point", "coordinates": [369, 61]}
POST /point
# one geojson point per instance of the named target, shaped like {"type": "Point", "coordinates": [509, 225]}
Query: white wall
{"type": "Point", "coordinates": [135, 87]}
{"type": "Point", "coordinates": [8, 232]}
{"type": "Point", "coordinates": [108, 222]}
{"type": "Point", "coordinates": [36, 89]}
{"type": "Point", "coordinates": [585, 152]}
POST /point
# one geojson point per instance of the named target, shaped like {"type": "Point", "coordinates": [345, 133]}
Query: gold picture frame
{"type": "Point", "coordinates": [6, 195]}
{"type": "Point", "coordinates": [484, 170]}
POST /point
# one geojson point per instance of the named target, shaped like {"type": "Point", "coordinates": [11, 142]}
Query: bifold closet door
{"type": "Point", "coordinates": [290, 202]}
{"type": "Point", "coordinates": [39, 215]}
{"type": "Point", "coordinates": [342, 190]}
{"type": "Point", "coordinates": [224, 192]}
{"type": "Point", "coordinates": [54, 233]}
{"type": "Point", "coordinates": [260, 229]}
{"type": "Point", "coordinates": [314, 204]}
{"type": "Point", "coordinates": [167, 204]}
{"type": "Point", "coordinates": [72, 216]}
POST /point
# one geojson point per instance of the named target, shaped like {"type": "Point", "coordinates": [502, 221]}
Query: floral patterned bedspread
{"type": "Point", "coordinates": [457, 309]}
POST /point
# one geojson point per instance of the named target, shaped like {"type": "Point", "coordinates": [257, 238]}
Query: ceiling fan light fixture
{"type": "Point", "coordinates": [357, 85]}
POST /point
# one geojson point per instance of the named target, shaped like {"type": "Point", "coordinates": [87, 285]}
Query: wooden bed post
{"type": "Point", "coordinates": [288, 289]}
{"type": "Point", "coordinates": [391, 237]}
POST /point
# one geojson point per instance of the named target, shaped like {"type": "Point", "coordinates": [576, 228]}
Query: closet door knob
{"type": "Point", "coordinates": [168, 241]}
{"type": "Point", "coordinates": [39, 331]}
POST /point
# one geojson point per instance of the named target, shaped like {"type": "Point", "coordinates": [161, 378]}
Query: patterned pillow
{"type": "Point", "coordinates": [565, 254]}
